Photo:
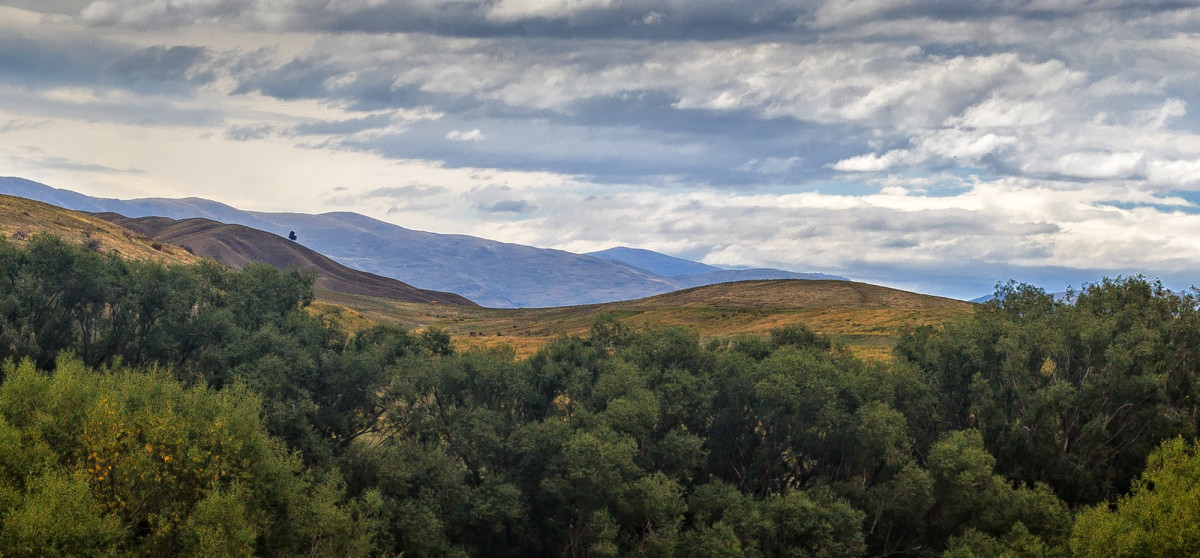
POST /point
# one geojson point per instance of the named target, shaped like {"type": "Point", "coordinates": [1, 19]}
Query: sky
{"type": "Point", "coordinates": [933, 145]}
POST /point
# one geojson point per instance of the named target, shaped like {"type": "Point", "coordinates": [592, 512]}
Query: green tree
{"type": "Point", "coordinates": [160, 466]}
{"type": "Point", "coordinates": [1159, 517]}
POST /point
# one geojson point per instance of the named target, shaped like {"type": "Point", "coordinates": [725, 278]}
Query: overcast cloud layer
{"type": "Point", "coordinates": [933, 145]}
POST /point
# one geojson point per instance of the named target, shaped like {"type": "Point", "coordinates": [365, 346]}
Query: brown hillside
{"type": "Point", "coordinates": [237, 245]}
{"type": "Point", "coordinates": [867, 318]}
{"type": "Point", "coordinates": [22, 218]}
{"type": "Point", "coordinates": [795, 294]}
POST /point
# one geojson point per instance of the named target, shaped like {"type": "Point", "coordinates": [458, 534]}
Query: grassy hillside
{"type": "Point", "coordinates": [868, 318]}
{"type": "Point", "coordinates": [237, 246]}
{"type": "Point", "coordinates": [21, 218]}
{"type": "Point", "coordinates": [160, 239]}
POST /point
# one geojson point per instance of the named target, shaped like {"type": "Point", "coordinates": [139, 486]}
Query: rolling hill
{"type": "Point", "coordinates": [867, 318]}
{"type": "Point", "coordinates": [687, 273]}
{"type": "Point", "coordinates": [160, 239]}
{"type": "Point", "coordinates": [237, 246]}
{"type": "Point", "coordinates": [654, 262]}
{"type": "Point", "coordinates": [21, 218]}
{"type": "Point", "coordinates": [491, 273]}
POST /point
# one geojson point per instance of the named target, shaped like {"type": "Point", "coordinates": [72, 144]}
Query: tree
{"type": "Point", "coordinates": [1159, 517]}
{"type": "Point", "coordinates": [139, 464]}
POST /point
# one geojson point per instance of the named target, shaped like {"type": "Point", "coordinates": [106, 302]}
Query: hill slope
{"type": "Point", "coordinates": [238, 245]}
{"type": "Point", "coordinates": [796, 295]}
{"type": "Point", "coordinates": [654, 262]}
{"type": "Point", "coordinates": [21, 218]}
{"type": "Point", "coordinates": [868, 318]}
{"type": "Point", "coordinates": [686, 273]}
{"type": "Point", "coordinates": [491, 273]}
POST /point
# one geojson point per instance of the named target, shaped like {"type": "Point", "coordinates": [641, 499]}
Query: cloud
{"type": "Point", "coordinates": [21, 124]}
{"type": "Point", "coordinates": [49, 161]}
{"type": "Point", "coordinates": [871, 162]}
{"type": "Point", "coordinates": [770, 165]}
{"type": "Point", "coordinates": [561, 18]}
{"type": "Point", "coordinates": [159, 63]}
{"type": "Point", "coordinates": [408, 191]}
{"type": "Point", "coordinates": [169, 13]}
{"type": "Point", "coordinates": [1100, 164]}
{"type": "Point", "coordinates": [468, 135]}
{"type": "Point", "coordinates": [508, 206]}
{"type": "Point", "coordinates": [517, 10]}
{"type": "Point", "coordinates": [250, 132]}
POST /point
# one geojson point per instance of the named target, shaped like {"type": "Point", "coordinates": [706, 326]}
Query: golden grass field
{"type": "Point", "coordinates": [866, 318]}
{"type": "Point", "coordinates": [21, 218]}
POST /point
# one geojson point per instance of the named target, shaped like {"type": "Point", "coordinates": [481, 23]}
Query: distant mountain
{"type": "Point", "coordinates": [490, 273]}
{"type": "Point", "coordinates": [687, 273]}
{"type": "Point", "coordinates": [1060, 296]}
{"type": "Point", "coordinates": [184, 208]}
{"type": "Point", "coordinates": [654, 262]}
{"type": "Point", "coordinates": [754, 274]}
{"type": "Point", "coordinates": [237, 246]}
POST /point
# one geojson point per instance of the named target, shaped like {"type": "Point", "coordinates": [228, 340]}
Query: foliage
{"type": "Point", "coordinates": [1158, 517]}
{"type": "Point", "coordinates": [1073, 394]}
{"type": "Point", "coordinates": [196, 410]}
{"type": "Point", "coordinates": [133, 463]}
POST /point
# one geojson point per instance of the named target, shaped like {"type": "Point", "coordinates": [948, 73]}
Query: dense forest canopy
{"type": "Point", "coordinates": [193, 410]}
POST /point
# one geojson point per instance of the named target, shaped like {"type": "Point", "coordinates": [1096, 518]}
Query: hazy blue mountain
{"type": "Point", "coordinates": [29, 189]}
{"type": "Point", "coordinates": [1060, 296]}
{"type": "Point", "coordinates": [654, 262]}
{"type": "Point", "coordinates": [238, 245]}
{"type": "Point", "coordinates": [687, 273]}
{"type": "Point", "coordinates": [490, 273]}
{"type": "Point", "coordinates": [185, 208]}
{"type": "Point", "coordinates": [753, 274]}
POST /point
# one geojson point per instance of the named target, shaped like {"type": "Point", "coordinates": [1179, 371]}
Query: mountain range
{"type": "Point", "coordinates": [488, 272]}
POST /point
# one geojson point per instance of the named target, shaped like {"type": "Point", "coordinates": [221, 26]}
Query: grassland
{"type": "Point", "coordinates": [21, 218]}
{"type": "Point", "coordinates": [867, 318]}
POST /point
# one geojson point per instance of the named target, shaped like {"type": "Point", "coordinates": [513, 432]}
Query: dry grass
{"type": "Point", "coordinates": [20, 219]}
{"type": "Point", "coordinates": [866, 318]}
{"type": "Point", "coordinates": [340, 317]}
